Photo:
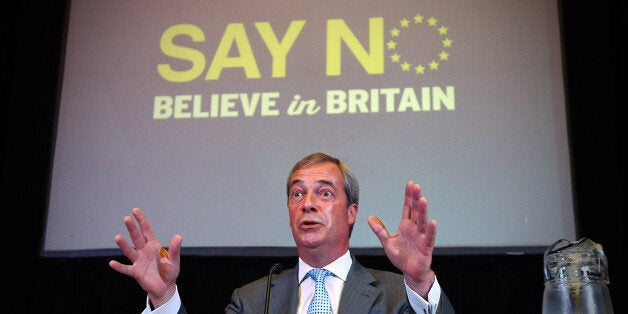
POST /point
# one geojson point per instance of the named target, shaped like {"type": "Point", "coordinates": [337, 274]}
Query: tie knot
{"type": "Point", "coordinates": [319, 274]}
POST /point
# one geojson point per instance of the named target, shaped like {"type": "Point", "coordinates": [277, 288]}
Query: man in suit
{"type": "Point", "coordinates": [322, 202]}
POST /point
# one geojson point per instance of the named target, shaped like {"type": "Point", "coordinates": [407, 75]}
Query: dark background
{"type": "Point", "coordinates": [32, 44]}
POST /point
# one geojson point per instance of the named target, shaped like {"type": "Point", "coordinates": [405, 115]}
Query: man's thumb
{"type": "Point", "coordinates": [378, 228]}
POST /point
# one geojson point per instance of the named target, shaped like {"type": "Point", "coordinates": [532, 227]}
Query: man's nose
{"type": "Point", "coordinates": [309, 202]}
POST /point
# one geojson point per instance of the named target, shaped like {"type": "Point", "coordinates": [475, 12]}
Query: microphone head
{"type": "Point", "coordinates": [276, 269]}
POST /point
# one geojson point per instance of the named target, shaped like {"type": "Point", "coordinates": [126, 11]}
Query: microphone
{"type": "Point", "coordinates": [275, 269]}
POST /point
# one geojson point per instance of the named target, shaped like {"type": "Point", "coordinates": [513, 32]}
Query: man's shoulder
{"type": "Point", "coordinates": [384, 274]}
{"type": "Point", "coordinates": [255, 284]}
{"type": "Point", "coordinates": [261, 282]}
{"type": "Point", "coordinates": [357, 267]}
{"type": "Point", "coordinates": [375, 277]}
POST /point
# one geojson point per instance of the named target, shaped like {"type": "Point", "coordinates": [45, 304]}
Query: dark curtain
{"type": "Point", "coordinates": [32, 40]}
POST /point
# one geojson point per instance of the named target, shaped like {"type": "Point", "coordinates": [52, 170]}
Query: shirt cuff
{"type": "Point", "coordinates": [420, 305]}
{"type": "Point", "coordinates": [171, 306]}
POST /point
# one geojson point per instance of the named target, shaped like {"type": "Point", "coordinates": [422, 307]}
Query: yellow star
{"type": "Point", "coordinates": [419, 69]}
{"type": "Point", "coordinates": [433, 65]}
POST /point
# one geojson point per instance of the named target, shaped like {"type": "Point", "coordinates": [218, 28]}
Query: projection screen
{"type": "Point", "coordinates": [195, 111]}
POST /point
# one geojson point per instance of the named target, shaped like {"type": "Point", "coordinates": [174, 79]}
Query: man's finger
{"type": "Point", "coordinates": [145, 227]}
{"type": "Point", "coordinates": [379, 229]}
{"type": "Point", "coordinates": [136, 236]}
{"type": "Point", "coordinates": [406, 212]}
{"type": "Point", "coordinates": [175, 248]}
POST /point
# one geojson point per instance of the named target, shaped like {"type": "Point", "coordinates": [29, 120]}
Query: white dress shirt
{"type": "Point", "coordinates": [170, 307]}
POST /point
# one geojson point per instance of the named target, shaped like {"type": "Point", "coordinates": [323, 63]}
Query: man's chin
{"type": "Point", "coordinates": [310, 240]}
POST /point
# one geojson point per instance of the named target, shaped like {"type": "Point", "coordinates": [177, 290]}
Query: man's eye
{"type": "Point", "coordinates": [327, 193]}
{"type": "Point", "coordinates": [296, 194]}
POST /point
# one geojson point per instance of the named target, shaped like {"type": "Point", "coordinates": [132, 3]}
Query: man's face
{"type": "Point", "coordinates": [319, 216]}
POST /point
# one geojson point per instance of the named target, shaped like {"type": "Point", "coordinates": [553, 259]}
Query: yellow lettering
{"type": "Point", "coordinates": [227, 105]}
{"type": "Point", "coordinates": [181, 104]}
{"type": "Point", "coordinates": [214, 105]}
{"type": "Point", "coordinates": [336, 101]}
{"type": "Point", "coordinates": [197, 107]}
{"type": "Point", "coordinates": [337, 31]}
{"type": "Point", "coordinates": [374, 100]}
{"type": "Point", "coordinates": [268, 103]}
{"type": "Point", "coordinates": [447, 98]}
{"type": "Point", "coordinates": [357, 100]}
{"type": "Point", "coordinates": [235, 34]}
{"type": "Point", "coordinates": [408, 100]}
{"type": "Point", "coordinates": [179, 52]}
{"type": "Point", "coordinates": [279, 50]}
{"type": "Point", "coordinates": [389, 98]}
{"type": "Point", "coordinates": [425, 93]}
{"type": "Point", "coordinates": [162, 107]}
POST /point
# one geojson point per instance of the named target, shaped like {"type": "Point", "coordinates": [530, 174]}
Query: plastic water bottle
{"type": "Point", "coordinates": [576, 278]}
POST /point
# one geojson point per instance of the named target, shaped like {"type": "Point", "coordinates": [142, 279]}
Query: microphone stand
{"type": "Point", "coordinates": [275, 269]}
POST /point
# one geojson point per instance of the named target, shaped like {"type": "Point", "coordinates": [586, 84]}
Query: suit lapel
{"type": "Point", "coordinates": [358, 294]}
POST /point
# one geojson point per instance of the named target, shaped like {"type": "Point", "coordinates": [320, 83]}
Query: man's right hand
{"type": "Point", "coordinates": [154, 269]}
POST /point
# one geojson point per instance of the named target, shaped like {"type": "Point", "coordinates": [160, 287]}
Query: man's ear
{"type": "Point", "coordinates": [353, 213]}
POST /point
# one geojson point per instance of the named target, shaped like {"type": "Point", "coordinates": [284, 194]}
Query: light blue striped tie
{"type": "Point", "coordinates": [320, 302]}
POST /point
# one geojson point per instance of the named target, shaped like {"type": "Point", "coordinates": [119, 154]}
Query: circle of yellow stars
{"type": "Point", "coordinates": [419, 68]}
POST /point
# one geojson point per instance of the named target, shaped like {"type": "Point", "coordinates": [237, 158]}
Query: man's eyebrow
{"type": "Point", "coordinates": [321, 182]}
{"type": "Point", "coordinates": [327, 182]}
{"type": "Point", "coordinates": [295, 181]}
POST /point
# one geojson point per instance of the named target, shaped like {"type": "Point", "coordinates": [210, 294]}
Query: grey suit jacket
{"type": "Point", "coordinates": [365, 291]}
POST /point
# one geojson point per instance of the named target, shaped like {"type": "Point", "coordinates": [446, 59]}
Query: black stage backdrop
{"type": "Point", "coordinates": [32, 35]}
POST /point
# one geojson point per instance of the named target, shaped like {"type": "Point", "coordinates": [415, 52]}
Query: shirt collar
{"type": "Point", "coordinates": [340, 267]}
